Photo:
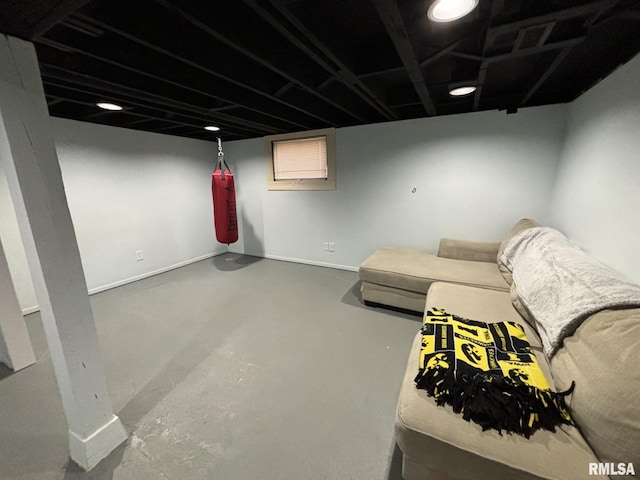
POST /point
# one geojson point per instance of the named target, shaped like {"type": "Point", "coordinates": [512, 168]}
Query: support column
{"type": "Point", "coordinates": [28, 153]}
{"type": "Point", "coordinates": [15, 345]}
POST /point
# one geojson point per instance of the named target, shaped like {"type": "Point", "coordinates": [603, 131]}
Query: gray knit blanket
{"type": "Point", "coordinates": [561, 285]}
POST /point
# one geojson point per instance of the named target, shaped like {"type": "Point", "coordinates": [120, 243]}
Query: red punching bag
{"type": "Point", "coordinates": [224, 201]}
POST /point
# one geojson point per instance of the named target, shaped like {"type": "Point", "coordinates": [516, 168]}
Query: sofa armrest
{"type": "Point", "coordinates": [467, 250]}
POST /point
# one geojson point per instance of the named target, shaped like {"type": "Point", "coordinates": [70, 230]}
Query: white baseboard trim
{"type": "Point", "coordinates": [119, 283]}
{"type": "Point", "coordinates": [142, 276]}
{"type": "Point", "coordinates": [301, 260]}
{"type": "Point", "coordinates": [88, 452]}
{"type": "Point", "coordinates": [28, 310]}
{"type": "Point", "coordinates": [153, 273]}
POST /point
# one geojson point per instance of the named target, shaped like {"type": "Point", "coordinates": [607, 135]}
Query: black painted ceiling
{"type": "Point", "coordinates": [259, 67]}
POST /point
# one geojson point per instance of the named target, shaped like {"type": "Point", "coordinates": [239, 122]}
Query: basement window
{"type": "Point", "coordinates": [302, 160]}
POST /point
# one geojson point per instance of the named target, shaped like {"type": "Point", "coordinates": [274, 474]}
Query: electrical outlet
{"type": "Point", "coordinates": [325, 246]}
{"type": "Point", "coordinates": [139, 255]}
{"type": "Point", "coordinates": [332, 247]}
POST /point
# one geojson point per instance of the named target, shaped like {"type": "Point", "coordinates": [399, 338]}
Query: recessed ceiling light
{"type": "Point", "coordinates": [450, 10]}
{"type": "Point", "coordinates": [109, 106]}
{"type": "Point", "coordinates": [211, 128]}
{"type": "Point", "coordinates": [462, 91]}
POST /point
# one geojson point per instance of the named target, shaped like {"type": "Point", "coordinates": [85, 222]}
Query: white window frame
{"type": "Point", "coordinates": [303, 183]}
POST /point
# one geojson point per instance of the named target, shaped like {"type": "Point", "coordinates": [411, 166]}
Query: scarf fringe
{"type": "Point", "coordinates": [497, 403]}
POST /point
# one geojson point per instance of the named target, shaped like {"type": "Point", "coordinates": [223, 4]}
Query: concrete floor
{"type": "Point", "coordinates": [231, 368]}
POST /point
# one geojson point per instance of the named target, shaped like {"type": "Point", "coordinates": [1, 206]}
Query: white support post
{"type": "Point", "coordinates": [15, 345]}
{"type": "Point", "coordinates": [29, 157]}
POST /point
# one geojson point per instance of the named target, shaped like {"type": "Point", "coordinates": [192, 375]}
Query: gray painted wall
{"type": "Point", "coordinates": [597, 199]}
{"type": "Point", "coordinates": [475, 175]}
{"type": "Point", "coordinates": [127, 191]}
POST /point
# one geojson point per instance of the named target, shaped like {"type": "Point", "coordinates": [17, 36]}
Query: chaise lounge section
{"type": "Point", "coordinates": [400, 277]}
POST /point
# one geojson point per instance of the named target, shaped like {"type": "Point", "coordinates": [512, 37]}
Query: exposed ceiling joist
{"type": "Point", "coordinates": [495, 7]}
{"type": "Point", "coordinates": [259, 67]}
{"type": "Point", "coordinates": [29, 19]}
{"type": "Point", "coordinates": [561, 45]}
{"type": "Point", "coordinates": [548, 71]}
{"type": "Point", "coordinates": [60, 12]}
{"type": "Point", "coordinates": [392, 19]}
{"type": "Point", "coordinates": [99, 88]}
{"type": "Point", "coordinates": [440, 53]}
{"type": "Point", "coordinates": [546, 29]}
{"type": "Point", "coordinates": [137, 70]}
{"type": "Point", "coordinates": [223, 71]}
{"type": "Point", "coordinates": [309, 43]}
{"type": "Point", "coordinates": [272, 61]}
{"type": "Point", "coordinates": [566, 14]}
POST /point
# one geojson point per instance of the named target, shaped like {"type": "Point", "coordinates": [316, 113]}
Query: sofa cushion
{"type": "Point", "coordinates": [468, 250]}
{"type": "Point", "coordinates": [602, 357]}
{"type": "Point", "coordinates": [449, 447]}
{"type": "Point", "coordinates": [414, 270]}
{"type": "Point", "coordinates": [484, 305]}
{"type": "Point", "coordinates": [522, 224]}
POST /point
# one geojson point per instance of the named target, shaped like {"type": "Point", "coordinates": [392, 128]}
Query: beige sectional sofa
{"type": "Point", "coordinates": [601, 356]}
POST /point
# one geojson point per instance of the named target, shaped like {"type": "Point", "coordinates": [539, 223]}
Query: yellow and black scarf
{"type": "Point", "coordinates": [489, 373]}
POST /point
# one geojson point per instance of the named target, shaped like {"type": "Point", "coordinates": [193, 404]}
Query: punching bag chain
{"type": "Point", "coordinates": [221, 161]}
